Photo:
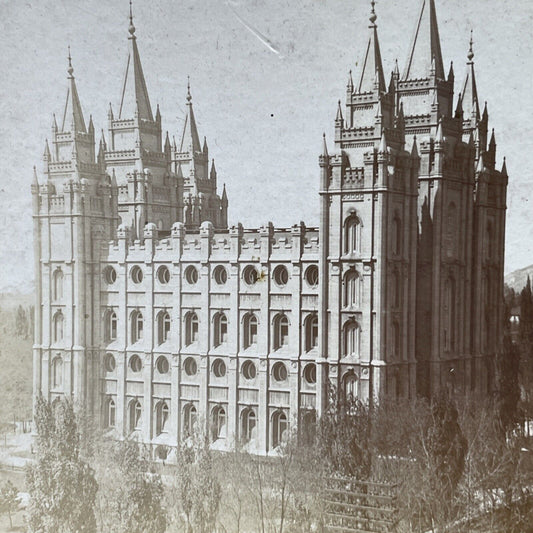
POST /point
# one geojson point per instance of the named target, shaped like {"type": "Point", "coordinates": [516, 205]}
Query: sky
{"type": "Point", "coordinates": [265, 80]}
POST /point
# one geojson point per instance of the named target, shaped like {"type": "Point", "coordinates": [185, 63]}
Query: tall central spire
{"type": "Point", "coordinates": [134, 98]}
{"type": "Point", "coordinates": [425, 46]}
{"type": "Point", "coordinates": [469, 98]}
{"type": "Point", "coordinates": [190, 139]}
{"type": "Point", "coordinates": [72, 115]}
{"type": "Point", "coordinates": [372, 71]}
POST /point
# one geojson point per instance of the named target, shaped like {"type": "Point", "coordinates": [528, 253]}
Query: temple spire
{"type": "Point", "coordinates": [372, 71]}
{"type": "Point", "coordinates": [425, 46]}
{"type": "Point", "coordinates": [72, 115]}
{"type": "Point", "coordinates": [190, 139]}
{"type": "Point", "coordinates": [134, 98]}
{"type": "Point", "coordinates": [469, 98]}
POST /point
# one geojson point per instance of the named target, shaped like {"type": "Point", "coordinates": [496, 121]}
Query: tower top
{"type": "Point", "coordinates": [131, 27]}
{"type": "Point", "coordinates": [72, 114]}
{"type": "Point", "coordinates": [190, 139]}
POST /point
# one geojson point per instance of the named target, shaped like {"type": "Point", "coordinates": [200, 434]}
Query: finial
{"type": "Point", "coordinates": [189, 97]}
{"type": "Point", "coordinates": [471, 50]}
{"type": "Point", "coordinates": [131, 29]}
{"type": "Point", "coordinates": [70, 69]}
{"type": "Point", "coordinates": [373, 16]}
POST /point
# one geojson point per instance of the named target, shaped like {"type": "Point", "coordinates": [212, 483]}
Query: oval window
{"type": "Point", "coordinates": [136, 274]}
{"type": "Point", "coordinates": [191, 275]}
{"type": "Point", "coordinates": [281, 275]}
{"type": "Point", "coordinates": [310, 373]}
{"type": "Point", "coordinates": [135, 363]}
{"type": "Point", "coordinates": [162, 365]}
{"type": "Point", "coordinates": [250, 275]}
{"type": "Point", "coordinates": [219, 368]}
{"type": "Point", "coordinates": [220, 274]}
{"type": "Point", "coordinates": [279, 372]}
{"type": "Point", "coordinates": [190, 367]}
{"type": "Point", "coordinates": [311, 276]}
{"type": "Point", "coordinates": [109, 363]}
{"type": "Point", "coordinates": [110, 275]}
{"type": "Point", "coordinates": [163, 275]}
{"type": "Point", "coordinates": [249, 370]}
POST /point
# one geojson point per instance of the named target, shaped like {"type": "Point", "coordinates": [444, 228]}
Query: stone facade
{"type": "Point", "coordinates": [159, 318]}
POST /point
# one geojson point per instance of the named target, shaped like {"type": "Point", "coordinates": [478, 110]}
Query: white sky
{"type": "Point", "coordinates": [263, 112]}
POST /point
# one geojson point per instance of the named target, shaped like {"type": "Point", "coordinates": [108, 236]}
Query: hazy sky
{"type": "Point", "coordinates": [265, 78]}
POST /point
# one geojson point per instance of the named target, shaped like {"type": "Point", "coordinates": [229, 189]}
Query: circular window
{"type": "Point", "coordinates": [110, 275]}
{"type": "Point", "coordinates": [220, 274]}
{"type": "Point", "coordinates": [163, 275]}
{"type": "Point", "coordinates": [191, 275]}
{"type": "Point", "coordinates": [249, 371]}
{"type": "Point", "coordinates": [310, 373]}
{"type": "Point", "coordinates": [281, 275]}
{"type": "Point", "coordinates": [109, 363]}
{"type": "Point", "coordinates": [219, 368]}
{"type": "Point", "coordinates": [162, 365]}
{"type": "Point", "coordinates": [190, 367]}
{"type": "Point", "coordinates": [279, 372]}
{"type": "Point", "coordinates": [136, 274]}
{"type": "Point", "coordinates": [136, 363]}
{"type": "Point", "coordinates": [250, 275]}
{"type": "Point", "coordinates": [311, 276]}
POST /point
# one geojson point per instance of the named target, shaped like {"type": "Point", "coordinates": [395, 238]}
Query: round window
{"type": "Point", "coordinates": [110, 275]}
{"type": "Point", "coordinates": [136, 274]}
{"type": "Point", "coordinates": [220, 274]}
{"type": "Point", "coordinates": [279, 372]}
{"type": "Point", "coordinates": [249, 371]}
{"type": "Point", "coordinates": [310, 373]}
{"type": "Point", "coordinates": [163, 275]}
{"type": "Point", "coordinates": [190, 367]}
{"type": "Point", "coordinates": [109, 363]}
{"type": "Point", "coordinates": [219, 368]}
{"type": "Point", "coordinates": [281, 275]}
{"type": "Point", "coordinates": [162, 365]}
{"type": "Point", "coordinates": [191, 275]}
{"type": "Point", "coordinates": [135, 363]}
{"type": "Point", "coordinates": [311, 276]}
{"type": "Point", "coordinates": [250, 275]}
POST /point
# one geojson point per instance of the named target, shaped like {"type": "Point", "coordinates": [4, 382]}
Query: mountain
{"type": "Point", "coordinates": [517, 280]}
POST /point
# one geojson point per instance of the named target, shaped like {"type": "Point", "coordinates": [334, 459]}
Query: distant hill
{"type": "Point", "coordinates": [517, 280]}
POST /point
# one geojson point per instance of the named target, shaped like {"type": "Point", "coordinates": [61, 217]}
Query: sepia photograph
{"type": "Point", "coordinates": [266, 266]}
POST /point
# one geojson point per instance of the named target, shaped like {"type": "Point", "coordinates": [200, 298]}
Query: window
{"type": "Point", "coordinates": [110, 326]}
{"type": "Point", "coordinates": [249, 370]}
{"type": "Point", "coordinates": [451, 230]}
{"type": "Point", "coordinates": [162, 365]}
{"type": "Point", "coordinates": [351, 339]}
{"type": "Point", "coordinates": [249, 275]}
{"type": "Point", "coordinates": [279, 428]}
{"type": "Point", "coordinates": [191, 275]}
{"type": "Point", "coordinates": [161, 417]}
{"type": "Point", "coordinates": [110, 413]}
{"type": "Point", "coordinates": [136, 274]}
{"type": "Point", "coordinates": [350, 388]}
{"type": "Point", "coordinates": [58, 284]}
{"type": "Point", "coordinates": [57, 372]}
{"type": "Point", "coordinates": [218, 421]}
{"type": "Point", "coordinates": [163, 327]}
{"type": "Point", "coordinates": [219, 368]}
{"type": "Point", "coordinates": [135, 413]}
{"type": "Point", "coordinates": [248, 423]}
{"type": "Point", "coordinates": [310, 373]}
{"type": "Point", "coordinates": [137, 326]}
{"type": "Point", "coordinates": [396, 289]}
{"type": "Point", "coordinates": [110, 275]}
{"type": "Point", "coordinates": [220, 274]}
{"type": "Point", "coordinates": [351, 235]}
{"type": "Point", "coordinates": [307, 430]}
{"type": "Point", "coordinates": [351, 289]}
{"type": "Point", "coordinates": [135, 363]}
{"type": "Point", "coordinates": [191, 328]}
{"type": "Point", "coordinates": [449, 315]}
{"type": "Point", "coordinates": [396, 231]}
{"type": "Point", "coordinates": [190, 367]}
{"type": "Point", "coordinates": [250, 330]}
{"type": "Point", "coordinates": [163, 275]}
{"type": "Point", "coordinates": [58, 326]}
{"type": "Point", "coordinates": [281, 275]}
{"type": "Point", "coordinates": [109, 363]}
{"type": "Point", "coordinates": [311, 276]}
{"type": "Point", "coordinates": [190, 417]}
{"type": "Point", "coordinates": [279, 372]}
{"type": "Point", "coordinates": [396, 341]}
{"type": "Point", "coordinates": [490, 241]}
{"type": "Point", "coordinates": [220, 329]}
{"type": "Point", "coordinates": [311, 332]}
{"type": "Point", "coordinates": [281, 331]}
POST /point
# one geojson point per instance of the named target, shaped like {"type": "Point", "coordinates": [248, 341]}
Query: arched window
{"type": "Point", "coordinates": [163, 327]}
{"type": "Point", "coordinates": [161, 417]}
{"type": "Point", "coordinates": [352, 228]}
{"type": "Point", "coordinates": [396, 341]}
{"type": "Point", "coordinates": [57, 372]}
{"type": "Point", "coordinates": [350, 388]}
{"type": "Point", "coordinates": [250, 330]}
{"type": "Point", "coordinates": [58, 284]}
{"type": "Point", "coordinates": [449, 315]}
{"type": "Point", "coordinates": [452, 236]}
{"type": "Point", "coordinates": [490, 241]}
{"type": "Point", "coordinates": [248, 423]}
{"type": "Point", "coordinates": [191, 328]}
{"type": "Point", "coordinates": [351, 339]}
{"type": "Point", "coordinates": [110, 325]}
{"type": "Point", "coordinates": [58, 326]}
{"type": "Point", "coordinates": [279, 428]}
{"type": "Point", "coordinates": [351, 289]}
{"type": "Point", "coordinates": [135, 414]}
{"type": "Point", "coordinates": [220, 330]}
{"type": "Point", "coordinates": [281, 331]}
{"type": "Point", "coordinates": [110, 413]}
{"type": "Point", "coordinates": [396, 234]}
{"type": "Point", "coordinates": [218, 421]}
{"type": "Point", "coordinates": [311, 332]}
{"type": "Point", "coordinates": [137, 326]}
{"type": "Point", "coordinates": [190, 417]}
{"type": "Point", "coordinates": [396, 289]}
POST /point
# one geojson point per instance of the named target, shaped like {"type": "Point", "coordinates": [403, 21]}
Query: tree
{"type": "Point", "coordinates": [9, 500]}
{"type": "Point", "coordinates": [508, 392]}
{"type": "Point", "coordinates": [61, 485]}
